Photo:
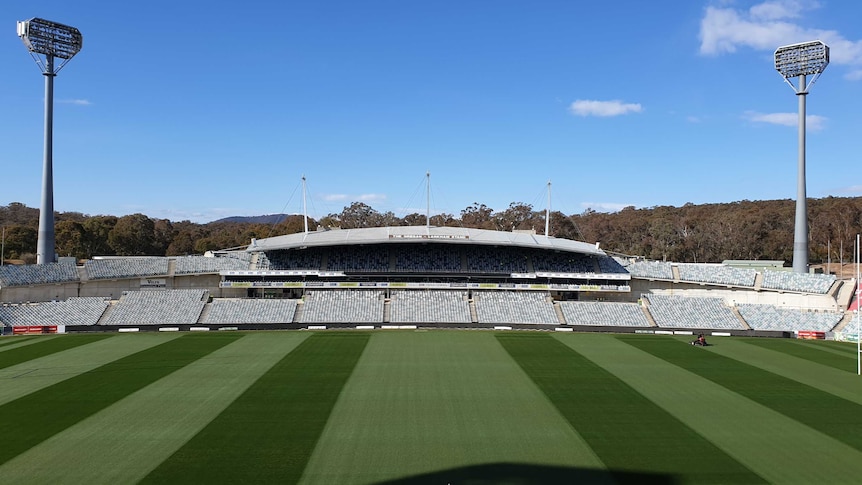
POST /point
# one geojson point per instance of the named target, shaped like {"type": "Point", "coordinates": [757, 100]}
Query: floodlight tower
{"type": "Point", "coordinates": [51, 40]}
{"type": "Point", "coordinates": [800, 61]}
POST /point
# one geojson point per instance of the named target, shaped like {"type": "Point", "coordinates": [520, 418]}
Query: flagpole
{"type": "Point", "coordinates": [858, 339]}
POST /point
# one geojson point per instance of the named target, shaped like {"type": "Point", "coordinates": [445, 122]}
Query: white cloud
{"type": "Point", "coordinates": [851, 190]}
{"type": "Point", "coordinates": [589, 107]}
{"type": "Point", "coordinates": [371, 197]}
{"type": "Point", "coordinates": [693, 119]}
{"type": "Point", "coordinates": [779, 9]}
{"type": "Point", "coordinates": [604, 206]}
{"type": "Point", "coordinates": [77, 102]}
{"type": "Point", "coordinates": [768, 25]}
{"type": "Point", "coordinates": [854, 75]}
{"type": "Point", "coordinates": [354, 198]}
{"type": "Point", "coordinates": [812, 122]}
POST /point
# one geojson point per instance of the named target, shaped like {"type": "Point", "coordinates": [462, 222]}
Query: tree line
{"type": "Point", "coordinates": [691, 233]}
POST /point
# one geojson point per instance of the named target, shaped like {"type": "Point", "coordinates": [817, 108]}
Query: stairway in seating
{"type": "Point", "coordinates": [387, 310]}
{"type": "Point", "coordinates": [647, 314]}
{"type": "Point", "coordinates": [559, 311]}
{"type": "Point", "coordinates": [297, 314]}
{"type": "Point", "coordinates": [739, 317]}
{"type": "Point", "coordinates": [106, 314]}
{"type": "Point", "coordinates": [848, 318]}
{"type": "Point", "coordinates": [205, 312]}
{"type": "Point", "coordinates": [474, 317]}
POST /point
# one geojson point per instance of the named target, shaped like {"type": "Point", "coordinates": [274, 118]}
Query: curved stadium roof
{"type": "Point", "coordinates": [418, 235]}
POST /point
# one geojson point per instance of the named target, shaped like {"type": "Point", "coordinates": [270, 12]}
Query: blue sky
{"type": "Point", "coordinates": [204, 109]}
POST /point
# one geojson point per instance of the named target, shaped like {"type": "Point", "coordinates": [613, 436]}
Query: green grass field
{"type": "Point", "coordinates": [426, 407]}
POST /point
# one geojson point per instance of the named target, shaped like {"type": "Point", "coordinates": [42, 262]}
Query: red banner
{"type": "Point", "coordinates": [810, 335]}
{"type": "Point", "coordinates": [30, 330]}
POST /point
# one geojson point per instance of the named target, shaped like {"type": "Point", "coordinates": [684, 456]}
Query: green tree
{"type": "Point", "coordinates": [133, 235]}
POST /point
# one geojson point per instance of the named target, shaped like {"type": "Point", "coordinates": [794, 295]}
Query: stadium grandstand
{"type": "Point", "coordinates": [418, 276]}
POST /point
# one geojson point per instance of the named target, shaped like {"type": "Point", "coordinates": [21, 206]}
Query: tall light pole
{"type": "Point", "coordinates": [800, 61]}
{"type": "Point", "coordinates": [51, 40]}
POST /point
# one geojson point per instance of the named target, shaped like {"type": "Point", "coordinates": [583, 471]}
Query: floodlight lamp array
{"type": "Point", "coordinates": [50, 38]}
{"type": "Point", "coordinates": [803, 59]}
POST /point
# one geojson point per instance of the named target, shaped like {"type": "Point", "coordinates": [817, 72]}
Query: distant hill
{"type": "Point", "coordinates": [265, 219]}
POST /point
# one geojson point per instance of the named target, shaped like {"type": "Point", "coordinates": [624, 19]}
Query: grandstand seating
{"type": "Point", "coordinates": [37, 274]}
{"type": "Point", "coordinates": [769, 317]}
{"type": "Point", "coordinates": [514, 307]}
{"type": "Point", "coordinates": [203, 264]}
{"type": "Point", "coordinates": [503, 260]}
{"type": "Point", "coordinates": [427, 259]}
{"type": "Point", "coordinates": [157, 307]}
{"type": "Point", "coordinates": [342, 306]}
{"type": "Point", "coordinates": [431, 306]}
{"type": "Point", "coordinates": [126, 267]}
{"type": "Point", "coordinates": [608, 264]}
{"type": "Point", "coordinates": [76, 311]}
{"type": "Point", "coordinates": [800, 282]}
{"type": "Point", "coordinates": [294, 259]}
{"type": "Point", "coordinates": [604, 314]}
{"type": "Point", "coordinates": [562, 262]}
{"type": "Point", "coordinates": [367, 259]}
{"type": "Point", "coordinates": [250, 311]}
{"type": "Point", "coordinates": [717, 274]}
{"type": "Point", "coordinates": [690, 312]}
{"type": "Point", "coordinates": [650, 270]}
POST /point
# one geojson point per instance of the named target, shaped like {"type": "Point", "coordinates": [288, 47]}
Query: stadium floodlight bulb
{"type": "Point", "coordinates": [50, 39]}
{"type": "Point", "coordinates": [803, 59]}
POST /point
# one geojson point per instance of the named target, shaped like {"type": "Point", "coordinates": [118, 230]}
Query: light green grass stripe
{"type": "Point", "coordinates": [837, 417]}
{"type": "Point", "coordinates": [45, 347]}
{"type": "Point", "coordinates": [825, 378]}
{"type": "Point", "coordinates": [22, 379]}
{"type": "Point", "coordinates": [123, 443]}
{"type": "Point", "coordinates": [268, 433]}
{"type": "Point", "coordinates": [637, 440]}
{"type": "Point", "coordinates": [29, 420]}
{"type": "Point", "coordinates": [7, 343]}
{"type": "Point", "coordinates": [772, 445]}
{"type": "Point", "coordinates": [796, 348]}
{"type": "Point", "coordinates": [421, 402]}
{"type": "Point", "coordinates": [831, 346]}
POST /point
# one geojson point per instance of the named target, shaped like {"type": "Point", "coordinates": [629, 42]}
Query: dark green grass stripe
{"type": "Point", "coordinates": [843, 348]}
{"type": "Point", "coordinates": [796, 348]}
{"type": "Point", "coordinates": [14, 340]}
{"type": "Point", "coordinates": [268, 434]}
{"type": "Point", "coordinates": [825, 412]}
{"type": "Point", "coordinates": [628, 432]}
{"type": "Point", "coordinates": [35, 417]}
{"type": "Point", "coordinates": [49, 346]}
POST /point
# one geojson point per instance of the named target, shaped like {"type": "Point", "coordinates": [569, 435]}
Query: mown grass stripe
{"type": "Point", "coordinates": [828, 379]}
{"type": "Point", "coordinates": [49, 346]}
{"type": "Point", "coordinates": [840, 348]}
{"type": "Point", "coordinates": [268, 434]}
{"type": "Point", "coordinates": [14, 340]}
{"type": "Point", "coordinates": [626, 430]}
{"type": "Point", "coordinates": [825, 412]}
{"type": "Point", "coordinates": [447, 404]}
{"type": "Point", "coordinates": [843, 362]}
{"type": "Point", "coordinates": [22, 379]}
{"type": "Point", "coordinates": [776, 447]}
{"type": "Point", "coordinates": [127, 440]}
{"type": "Point", "coordinates": [35, 417]}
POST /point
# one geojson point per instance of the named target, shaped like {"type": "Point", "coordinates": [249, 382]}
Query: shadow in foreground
{"type": "Point", "coordinates": [523, 474]}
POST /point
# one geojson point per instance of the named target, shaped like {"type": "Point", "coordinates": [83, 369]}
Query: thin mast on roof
{"type": "Point", "coordinates": [304, 208]}
{"type": "Point", "coordinates": [548, 211]}
{"type": "Point", "coordinates": [428, 201]}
